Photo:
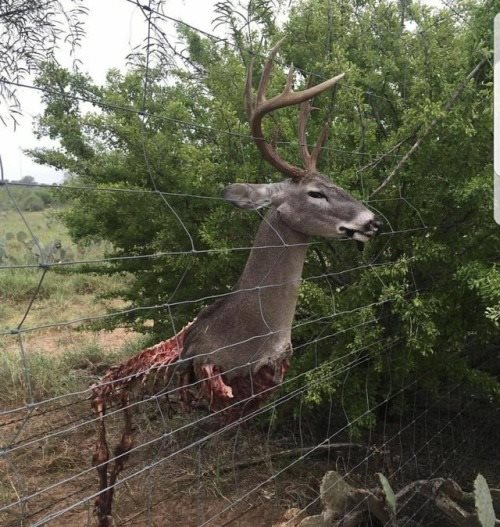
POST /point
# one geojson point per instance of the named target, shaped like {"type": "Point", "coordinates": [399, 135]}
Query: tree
{"type": "Point", "coordinates": [30, 32]}
{"type": "Point", "coordinates": [422, 303]}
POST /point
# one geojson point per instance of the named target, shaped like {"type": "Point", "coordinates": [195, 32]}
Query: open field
{"type": "Point", "coordinates": [63, 296]}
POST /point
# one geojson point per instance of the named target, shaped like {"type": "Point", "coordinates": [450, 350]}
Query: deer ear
{"type": "Point", "coordinates": [249, 196]}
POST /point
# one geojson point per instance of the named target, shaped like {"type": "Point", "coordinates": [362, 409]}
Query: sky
{"type": "Point", "coordinates": [113, 29]}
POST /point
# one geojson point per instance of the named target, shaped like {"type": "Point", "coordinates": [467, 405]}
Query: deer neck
{"type": "Point", "coordinates": [274, 270]}
{"type": "Point", "coordinates": [253, 325]}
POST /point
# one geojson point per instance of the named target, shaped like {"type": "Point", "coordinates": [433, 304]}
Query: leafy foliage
{"type": "Point", "coordinates": [30, 32]}
{"type": "Point", "coordinates": [29, 197]}
{"type": "Point", "coordinates": [420, 306]}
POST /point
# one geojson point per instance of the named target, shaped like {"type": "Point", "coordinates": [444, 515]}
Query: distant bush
{"type": "Point", "coordinates": [29, 198]}
{"type": "Point", "coordinates": [3, 252]}
{"type": "Point", "coordinates": [32, 202]}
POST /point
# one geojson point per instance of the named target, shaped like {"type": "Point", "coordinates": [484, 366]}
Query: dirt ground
{"type": "Point", "coordinates": [243, 477]}
{"type": "Point", "coordinates": [64, 339]}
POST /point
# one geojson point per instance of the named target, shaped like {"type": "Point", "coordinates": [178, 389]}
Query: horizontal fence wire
{"type": "Point", "coordinates": [194, 252]}
{"type": "Point", "coordinates": [278, 401]}
{"type": "Point", "coordinates": [340, 365]}
{"type": "Point", "coordinates": [189, 124]}
{"type": "Point", "coordinates": [12, 447]}
{"type": "Point", "coordinates": [270, 333]}
{"type": "Point", "coordinates": [90, 188]}
{"type": "Point", "coordinates": [168, 305]}
{"type": "Point", "coordinates": [224, 429]}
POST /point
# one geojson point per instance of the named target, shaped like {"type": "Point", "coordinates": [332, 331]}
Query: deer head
{"type": "Point", "coordinates": [308, 202]}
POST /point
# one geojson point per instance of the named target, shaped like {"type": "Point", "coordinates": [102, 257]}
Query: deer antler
{"type": "Point", "coordinates": [258, 108]}
{"type": "Point", "coordinates": [310, 160]}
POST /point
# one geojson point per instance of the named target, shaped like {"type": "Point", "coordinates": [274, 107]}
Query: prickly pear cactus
{"type": "Point", "coordinates": [390, 497]}
{"type": "Point", "coordinates": [484, 505]}
{"type": "Point", "coordinates": [53, 252]}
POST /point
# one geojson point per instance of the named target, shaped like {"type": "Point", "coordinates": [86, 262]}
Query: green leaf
{"type": "Point", "coordinates": [390, 497]}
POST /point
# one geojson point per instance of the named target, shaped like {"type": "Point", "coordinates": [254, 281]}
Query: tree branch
{"type": "Point", "coordinates": [446, 108]}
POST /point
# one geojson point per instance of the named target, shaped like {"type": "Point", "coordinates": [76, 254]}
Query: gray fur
{"type": "Point", "coordinates": [252, 326]}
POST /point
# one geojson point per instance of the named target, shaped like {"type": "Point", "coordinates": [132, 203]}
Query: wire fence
{"type": "Point", "coordinates": [191, 469]}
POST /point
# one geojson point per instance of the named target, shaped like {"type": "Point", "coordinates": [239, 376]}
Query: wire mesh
{"type": "Point", "coordinates": [44, 425]}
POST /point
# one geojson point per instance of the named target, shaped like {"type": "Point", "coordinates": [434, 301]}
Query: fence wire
{"type": "Point", "coordinates": [42, 426]}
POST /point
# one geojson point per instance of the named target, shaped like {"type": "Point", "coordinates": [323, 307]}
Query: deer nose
{"type": "Point", "coordinates": [374, 225]}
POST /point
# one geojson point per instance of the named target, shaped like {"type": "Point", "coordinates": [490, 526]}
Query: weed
{"type": "Point", "coordinates": [51, 375]}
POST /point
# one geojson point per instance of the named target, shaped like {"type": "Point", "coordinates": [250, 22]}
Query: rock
{"type": "Point", "coordinates": [334, 491]}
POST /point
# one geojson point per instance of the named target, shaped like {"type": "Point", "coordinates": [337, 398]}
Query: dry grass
{"type": "Point", "coordinates": [200, 482]}
{"type": "Point", "coordinates": [183, 490]}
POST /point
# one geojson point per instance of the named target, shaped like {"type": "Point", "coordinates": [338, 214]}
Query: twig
{"type": "Point", "coordinates": [375, 162]}
{"type": "Point", "coordinates": [260, 460]}
{"type": "Point", "coordinates": [447, 106]}
{"type": "Point", "coordinates": [238, 516]}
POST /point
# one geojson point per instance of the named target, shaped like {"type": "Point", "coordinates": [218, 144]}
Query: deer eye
{"type": "Point", "coordinates": [317, 195]}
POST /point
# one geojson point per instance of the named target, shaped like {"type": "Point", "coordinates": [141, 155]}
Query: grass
{"type": "Point", "coordinates": [59, 299]}
{"type": "Point", "coordinates": [64, 295]}
{"type": "Point", "coordinates": [46, 228]}
{"type": "Point", "coordinates": [48, 375]}
{"type": "Point", "coordinates": [21, 245]}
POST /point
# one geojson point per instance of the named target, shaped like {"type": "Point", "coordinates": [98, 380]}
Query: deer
{"type": "Point", "coordinates": [238, 349]}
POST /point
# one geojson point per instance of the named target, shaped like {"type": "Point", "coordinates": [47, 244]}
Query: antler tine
{"type": "Point", "coordinates": [266, 72]}
{"type": "Point", "coordinates": [323, 136]}
{"type": "Point", "coordinates": [262, 106]}
{"type": "Point", "coordinates": [305, 110]}
{"type": "Point", "coordinates": [310, 159]}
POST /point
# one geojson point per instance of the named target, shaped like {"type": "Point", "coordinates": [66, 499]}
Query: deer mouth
{"type": "Point", "coordinates": [359, 236]}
